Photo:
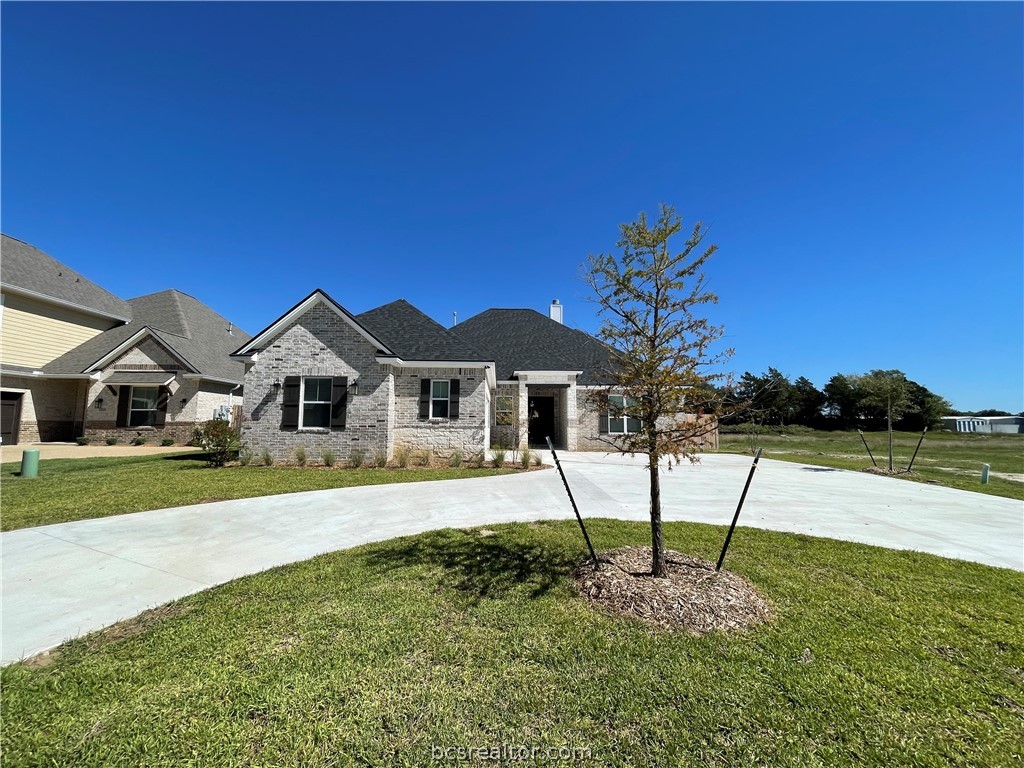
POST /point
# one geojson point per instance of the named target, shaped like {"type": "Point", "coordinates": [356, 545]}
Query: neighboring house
{"type": "Point", "coordinates": [321, 378]}
{"type": "Point", "coordinates": [993, 424]}
{"type": "Point", "coordinates": [75, 360]}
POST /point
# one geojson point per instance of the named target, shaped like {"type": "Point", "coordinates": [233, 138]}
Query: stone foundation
{"type": "Point", "coordinates": [181, 432]}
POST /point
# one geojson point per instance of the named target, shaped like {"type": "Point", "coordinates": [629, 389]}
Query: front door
{"type": "Point", "coordinates": [10, 417]}
{"type": "Point", "coordinates": [542, 421]}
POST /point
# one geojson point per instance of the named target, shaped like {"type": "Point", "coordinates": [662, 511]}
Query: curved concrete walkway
{"type": "Point", "coordinates": [61, 581]}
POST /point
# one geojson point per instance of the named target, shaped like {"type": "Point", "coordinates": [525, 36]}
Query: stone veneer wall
{"type": "Point", "coordinates": [468, 433]}
{"type": "Point", "coordinates": [319, 343]}
{"type": "Point", "coordinates": [506, 435]}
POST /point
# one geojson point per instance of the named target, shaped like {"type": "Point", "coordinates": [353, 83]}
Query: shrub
{"type": "Point", "coordinates": [245, 457]}
{"type": "Point", "coordinates": [455, 460]}
{"type": "Point", "coordinates": [402, 457]}
{"type": "Point", "coordinates": [140, 440]}
{"type": "Point", "coordinates": [112, 441]}
{"type": "Point", "coordinates": [425, 457]}
{"type": "Point", "coordinates": [477, 459]}
{"type": "Point", "coordinates": [498, 457]}
{"type": "Point", "coordinates": [524, 457]}
{"type": "Point", "coordinates": [167, 441]}
{"type": "Point", "coordinates": [218, 439]}
{"type": "Point", "coordinates": [328, 457]}
{"type": "Point", "coordinates": [82, 440]}
{"type": "Point", "coordinates": [536, 460]}
{"type": "Point", "coordinates": [380, 459]}
{"type": "Point", "coordinates": [356, 457]}
{"type": "Point", "coordinates": [267, 457]}
{"type": "Point", "coordinates": [300, 455]}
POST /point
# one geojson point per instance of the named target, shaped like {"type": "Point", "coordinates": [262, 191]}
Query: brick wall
{"type": "Point", "coordinates": [442, 436]}
{"type": "Point", "coordinates": [320, 343]}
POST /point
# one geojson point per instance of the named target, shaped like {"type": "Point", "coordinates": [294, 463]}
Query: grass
{"type": "Point", "coordinates": [77, 489]}
{"type": "Point", "coordinates": [384, 654]}
{"type": "Point", "coordinates": [946, 458]}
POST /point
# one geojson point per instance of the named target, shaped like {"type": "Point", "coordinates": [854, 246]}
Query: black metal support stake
{"type": "Point", "coordinates": [866, 446]}
{"type": "Point", "coordinates": [568, 490]}
{"type": "Point", "coordinates": [743, 497]}
{"type": "Point", "coordinates": [914, 457]}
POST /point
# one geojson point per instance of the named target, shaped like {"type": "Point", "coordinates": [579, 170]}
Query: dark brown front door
{"type": "Point", "coordinates": [542, 421]}
{"type": "Point", "coordinates": [10, 417]}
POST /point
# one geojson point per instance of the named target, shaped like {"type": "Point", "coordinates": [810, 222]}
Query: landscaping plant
{"type": "Point", "coordinates": [356, 457]}
{"type": "Point", "coordinates": [300, 455]}
{"type": "Point", "coordinates": [218, 440]}
{"type": "Point", "coordinates": [663, 359]}
{"type": "Point", "coordinates": [328, 457]}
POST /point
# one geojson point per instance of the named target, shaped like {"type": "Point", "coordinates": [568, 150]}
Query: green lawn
{"type": "Point", "coordinates": [76, 489]}
{"type": "Point", "coordinates": [946, 458]}
{"type": "Point", "coordinates": [375, 655]}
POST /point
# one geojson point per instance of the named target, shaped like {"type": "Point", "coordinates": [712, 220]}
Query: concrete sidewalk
{"type": "Point", "coordinates": [60, 581]}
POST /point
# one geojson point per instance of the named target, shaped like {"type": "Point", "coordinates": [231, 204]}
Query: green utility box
{"type": "Point", "coordinates": [30, 463]}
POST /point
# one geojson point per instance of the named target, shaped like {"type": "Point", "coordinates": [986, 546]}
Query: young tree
{"type": "Point", "coordinates": [888, 390]}
{"type": "Point", "coordinates": [664, 357]}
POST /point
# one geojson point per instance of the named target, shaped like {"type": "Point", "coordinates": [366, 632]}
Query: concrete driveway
{"type": "Point", "coordinates": [61, 581]}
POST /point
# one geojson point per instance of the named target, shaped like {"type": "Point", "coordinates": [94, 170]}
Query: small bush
{"type": "Point", "coordinates": [498, 457]}
{"type": "Point", "coordinates": [380, 459]}
{"type": "Point", "coordinates": [112, 441]}
{"type": "Point", "coordinates": [425, 456]}
{"type": "Point", "coordinates": [82, 440]}
{"type": "Point", "coordinates": [140, 440]}
{"type": "Point", "coordinates": [356, 457]}
{"type": "Point", "coordinates": [267, 457]}
{"type": "Point", "coordinates": [536, 460]}
{"type": "Point", "coordinates": [218, 439]}
{"type": "Point", "coordinates": [477, 459]}
{"type": "Point", "coordinates": [524, 457]}
{"type": "Point", "coordinates": [300, 455]}
{"type": "Point", "coordinates": [402, 457]}
{"type": "Point", "coordinates": [167, 441]}
{"type": "Point", "coordinates": [328, 457]}
{"type": "Point", "coordinates": [245, 457]}
{"type": "Point", "coordinates": [455, 460]}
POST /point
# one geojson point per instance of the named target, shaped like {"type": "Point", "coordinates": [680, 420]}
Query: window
{"type": "Point", "coordinates": [440, 391]}
{"type": "Point", "coordinates": [620, 422]}
{"type": "Point", "coordinates": [316, 403]}
{"type": "Point", "coordinates": [143, 409]}
{"type": "Point", "coordinates": [503, 414]}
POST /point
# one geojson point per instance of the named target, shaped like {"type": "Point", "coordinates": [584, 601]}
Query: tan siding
{"type": "Point", "coordinates": [34, 332]}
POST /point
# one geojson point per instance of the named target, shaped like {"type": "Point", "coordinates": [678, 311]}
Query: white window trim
{"type": "Point", "coordinates": [446, 399]}
{"type": "Point", "coordinates": [302, 404]}
{"type": "Point", "coordinates": [131, 401]}
{"type": "Point", "coordinates": [625, 418]}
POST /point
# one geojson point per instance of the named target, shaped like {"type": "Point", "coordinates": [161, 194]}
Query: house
{"type": "Point", "coordinates": [75, 360]}
{"type": "Point", "coordinates": [322, 378]}
{"type": "Point", "coordinates": [994, 424]}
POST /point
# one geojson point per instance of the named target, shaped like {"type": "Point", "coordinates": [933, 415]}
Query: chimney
{"type": "Point", "coordinates": [555, 312]}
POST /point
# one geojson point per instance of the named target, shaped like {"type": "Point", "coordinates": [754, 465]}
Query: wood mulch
{"type": "Point", "coordinates": [691, 598]}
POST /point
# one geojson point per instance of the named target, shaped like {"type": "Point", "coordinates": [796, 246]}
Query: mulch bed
{"type": "Point", "coordinates": [691, 598]}
{"type": "Point", "coordinates": [888, 473]}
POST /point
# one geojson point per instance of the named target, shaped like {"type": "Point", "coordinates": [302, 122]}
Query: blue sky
{"type": "Point", "coordinates": [861, 165]}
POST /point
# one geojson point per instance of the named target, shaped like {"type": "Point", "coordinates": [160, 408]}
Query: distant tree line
{"type": "Point", "coordinates": [848, 401]}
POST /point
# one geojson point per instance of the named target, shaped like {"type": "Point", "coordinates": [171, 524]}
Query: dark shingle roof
{"type": "Point", "coordinates": [412, 335]}
{"type": "Point", "coordinates": [526, 340]}
{"type": "Point", "coordinates": [25, 267]}
{"type": "Point", "coordinates": [186, 326]}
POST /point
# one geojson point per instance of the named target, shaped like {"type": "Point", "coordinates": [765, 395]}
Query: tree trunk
{"type": "Point", "coordinates": [657, 544]}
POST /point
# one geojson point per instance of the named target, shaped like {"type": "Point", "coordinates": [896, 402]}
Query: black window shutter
{"type": "Point", "coordinates": [424, 398]}
{"type": "Point", "coordinates": [124, 402]}
{"type": "Point", "coordinates": [161, 407]}
{"type": "Point", "coordinates": [290, 404]}
{"type": "Point", "coordinates": [339, 401]}
{"type": "Point", "coordinates": [602, 422]}
{"type": "Point", "coordinates": [453, 398]}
